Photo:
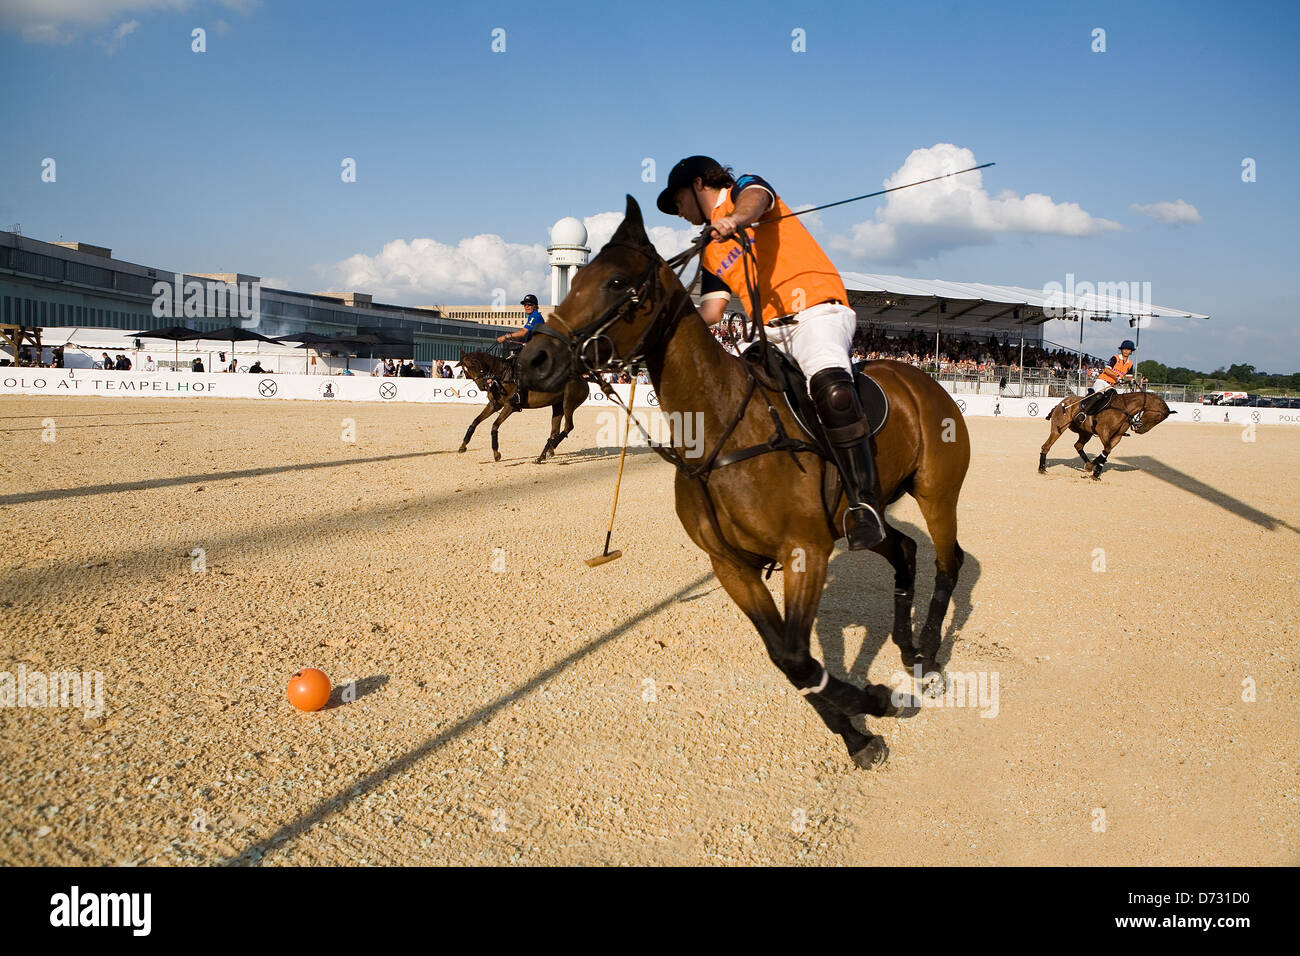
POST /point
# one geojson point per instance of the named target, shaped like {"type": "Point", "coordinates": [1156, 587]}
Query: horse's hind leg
{"type": "Point", "coordinates": [940, 512]}
{"type": "Point", "coordinates": [469, 432]}
{"type": "Point", "coordinates": [900, 551]}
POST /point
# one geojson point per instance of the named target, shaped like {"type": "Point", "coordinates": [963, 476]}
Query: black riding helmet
{"type": "Point", "coordinates": [682, 175]}
{"type": "Point", "coordinates": [1128, 344]}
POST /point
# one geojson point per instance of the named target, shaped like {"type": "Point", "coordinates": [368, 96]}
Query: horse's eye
{"type": "Point", "coordinates": [618, 282]}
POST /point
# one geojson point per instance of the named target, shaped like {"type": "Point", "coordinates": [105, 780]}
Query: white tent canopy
{"type": "Point", "coordinates": [901, 299]}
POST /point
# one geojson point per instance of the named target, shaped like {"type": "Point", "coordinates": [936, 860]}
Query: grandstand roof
{"type": "Point", "coordinates": [902, 299]}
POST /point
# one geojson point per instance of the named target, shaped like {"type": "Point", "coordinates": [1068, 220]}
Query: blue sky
{"type": "Point", "coordinates": [229, 160]}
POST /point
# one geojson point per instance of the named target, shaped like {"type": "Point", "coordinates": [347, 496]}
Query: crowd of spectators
{"type": "Point", "coordinates": [961, 353]}
{"type": "Point", "coordinates": [958, 352]}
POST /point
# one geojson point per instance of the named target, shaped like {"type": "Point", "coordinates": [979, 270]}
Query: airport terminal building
{"type": "Point", "coordinates": [80, 297]}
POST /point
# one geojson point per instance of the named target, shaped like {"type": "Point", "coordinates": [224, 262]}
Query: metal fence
{"type": "Point", "coordinates": [1050, 383]}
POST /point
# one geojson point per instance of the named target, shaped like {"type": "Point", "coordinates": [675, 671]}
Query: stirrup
{"type": "Point", "coordinates": [868, 526]}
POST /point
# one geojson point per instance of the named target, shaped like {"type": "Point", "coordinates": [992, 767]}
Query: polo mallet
{"type": "Point", "coordinates": [608, 555]}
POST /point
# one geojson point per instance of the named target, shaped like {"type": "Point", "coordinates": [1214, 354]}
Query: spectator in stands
{"type": "Point", "coordinates": [256, 367]}
{"type": "Point", "coordinates": [149, 364]}
{"type": "Point", "coordinates": [107, 363]}
{"type": "Point", "coordinates": [234, 363]}
{"type": "Point", "coordinates": [123, 363]}
{"type": "Point", "coordinates": [196, 365]}
{"type": "Point", "coordinates": [379, 368]}
{"type": "Point", "coordinates": [438, 369]}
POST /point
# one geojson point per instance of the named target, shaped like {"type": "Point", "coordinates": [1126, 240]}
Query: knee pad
{"type": "Point", "coordinates": [836, 397]}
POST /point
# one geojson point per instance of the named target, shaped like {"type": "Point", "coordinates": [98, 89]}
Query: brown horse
{"type": "Point", "coordinates": [495, 376]}
{"type": "Point", "coordinates": [751, 499]}
{"type": "Point", "coordinates": [1140, 411]}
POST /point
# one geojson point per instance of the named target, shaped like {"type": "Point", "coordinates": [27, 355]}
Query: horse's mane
{"type": "Point", "coordinates": [490, 362]}
{"type": "Point", "coordinates": [1138, 399]}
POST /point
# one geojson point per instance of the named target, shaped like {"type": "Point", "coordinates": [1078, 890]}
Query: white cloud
{"type": "Point", "coordinates": [113, 41]}
{"type": "Point", "coordinates": [1170, 213]}
{"type": "Point", "coordinates": [46, 33]}
{"type": "Point", "coordinates": [426, 272]}
{"type": "Point", "coordinates": [59, 21]}
{"type": "Point", "coordinates": [920, 223]}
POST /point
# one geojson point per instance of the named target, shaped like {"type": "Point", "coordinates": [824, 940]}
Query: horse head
{"type": "Point", "coordinates": [1151, 411]}
{"type": "Point", "coordinates": [613, 314]}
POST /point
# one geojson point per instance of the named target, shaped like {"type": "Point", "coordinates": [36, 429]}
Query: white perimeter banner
{"type": "Point", "coordinates": [365, 388]}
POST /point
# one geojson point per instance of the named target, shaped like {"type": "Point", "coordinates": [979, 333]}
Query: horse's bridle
{"type": "Point", "coordinates": [1135, 420]}
{"type": "Point", "coordinates": [583, 343]}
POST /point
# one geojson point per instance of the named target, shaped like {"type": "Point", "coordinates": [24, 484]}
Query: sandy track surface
{"type": "Point", "coordinates": [545, 712]}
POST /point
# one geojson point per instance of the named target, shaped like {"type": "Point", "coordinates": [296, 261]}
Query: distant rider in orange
{"type": "Point", "coordinates": [1116, 370]}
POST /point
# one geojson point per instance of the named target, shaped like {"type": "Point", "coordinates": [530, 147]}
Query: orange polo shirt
{"type": "Point", "coordinates": [793, 272]}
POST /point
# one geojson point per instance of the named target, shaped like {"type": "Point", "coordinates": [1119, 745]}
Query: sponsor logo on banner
{"type": "Point", "coordinates": [387, 390]}
{"type": "Point", "coordinates": [267, 388]}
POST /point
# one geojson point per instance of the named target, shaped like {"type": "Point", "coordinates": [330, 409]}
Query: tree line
{"type": "Point", "coordinates": [1234, 378]}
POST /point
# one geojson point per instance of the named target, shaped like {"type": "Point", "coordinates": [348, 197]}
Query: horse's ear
{"type": "Point", "coordinates": [1173, 411]}
{"type": "Point", "coordinates": [632, 228]}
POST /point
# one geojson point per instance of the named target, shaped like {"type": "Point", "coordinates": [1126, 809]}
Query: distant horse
{"type": "Point", "coordinates": [1140, 411]}
{"type": "Point", "coordinates": [753, 497]}
{"type": "Point", "coordinates": [495, 376]}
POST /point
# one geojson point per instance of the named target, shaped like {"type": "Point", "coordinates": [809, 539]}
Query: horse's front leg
{"type": "Point", "coordinates": [469, 432]}
{"type": "Point", "coordinates": [506, 411]}
{"type": "Point", "coordinates": [549, 448]}
{"type": "Point", "coordinates": [1057, 430]}
{"type": "Point", "coordinates": [804, 578]}
{"type": "Point", "coordinates": [1099, 462]}
{"type": "Point", "coordinates": [1078, 447]}
{"type": "Point", "coordinates": [793, 657]}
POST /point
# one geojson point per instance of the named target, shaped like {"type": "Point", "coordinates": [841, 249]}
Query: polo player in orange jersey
{"type": "Point", "coordinates": [1119, 367]}
{"type": "Point", "coordinates": [804, 309]}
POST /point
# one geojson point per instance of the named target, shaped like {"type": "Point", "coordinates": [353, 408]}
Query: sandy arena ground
{"type": "Point", "coordinates": [502, 716]}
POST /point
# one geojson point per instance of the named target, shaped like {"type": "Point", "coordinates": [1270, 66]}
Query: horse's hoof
{"type": "Point", "coordinates": [496, 456]}
{"type": "Point", "coordinates": [873, 755]}
{"type": "Point", "coordinates": [934, 682]}
{"type": "Point", "coordinates": [907, 653]}
{"type": "Point", "coordinates": [879, 701]}
{"type": "Point", "coordinates": [1042, 471]}
{"type": "Point", "coordinates": [462, 449]}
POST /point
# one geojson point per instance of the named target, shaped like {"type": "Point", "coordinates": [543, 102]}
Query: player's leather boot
{"type": "Point", "coordinates": [836, 398]}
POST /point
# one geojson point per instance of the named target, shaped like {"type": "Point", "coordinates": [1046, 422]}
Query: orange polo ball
{"type": "Point", "coordinates": [309, 689]}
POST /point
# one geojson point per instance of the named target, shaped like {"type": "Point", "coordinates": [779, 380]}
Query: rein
{"type": "Point", "coordinates": [648, 290]}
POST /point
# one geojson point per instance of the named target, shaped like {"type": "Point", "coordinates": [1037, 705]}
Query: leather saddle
{"type": "Point", "coordinates": [776, 371]}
